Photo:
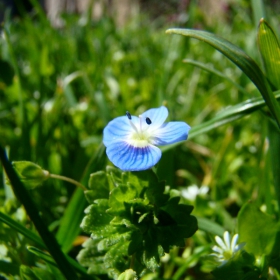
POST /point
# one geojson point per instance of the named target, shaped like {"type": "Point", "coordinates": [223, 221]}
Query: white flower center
{"type": "Point", "coordinates": [139, 137]}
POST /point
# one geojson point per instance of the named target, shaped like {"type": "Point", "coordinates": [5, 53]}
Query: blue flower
{"type": "Point", "coordinates": [131, 141]}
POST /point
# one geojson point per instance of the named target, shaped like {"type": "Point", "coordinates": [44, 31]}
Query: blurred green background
{"type": "Point", "coordinates": [61, 81]}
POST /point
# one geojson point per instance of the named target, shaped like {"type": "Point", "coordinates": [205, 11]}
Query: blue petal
{"type": "Point", "coordinates": [171, 132]}
{"type": "Point", "coordinates": [118, 129]}
{"type": "Point", "coordinates": [156, 115]}
{"type": "Point", "coordinates": [129, 158]}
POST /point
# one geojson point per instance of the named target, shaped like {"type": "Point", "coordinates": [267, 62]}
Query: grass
{"type": "Point", "coordinates": [59, 87]}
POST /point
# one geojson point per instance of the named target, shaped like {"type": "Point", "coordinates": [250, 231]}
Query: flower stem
{"type": "Point", "coordinates": [63, 178]}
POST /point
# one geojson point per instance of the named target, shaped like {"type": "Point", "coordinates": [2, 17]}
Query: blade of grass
{"type": "Point", "coordinates": [21, 229]}
{"type": "Point", "coordinates": [270, 52]}
{"type": "Point", "coordinates": [215, 72]}
{"type": "Point", "coordinates": [241, 59]}
{"type": "Point", "coordinates": [210, 226]}
{"type": "Point", "coordinates": [74, 213]}
{"type": "Point", "coordinates": [34, 238]}
{"type": "Point", "coordinates": [49, 240]}
{"type": "Point", "coordinates": [228, 115]}
{"type": "Point", "coordinates": [49, 259]}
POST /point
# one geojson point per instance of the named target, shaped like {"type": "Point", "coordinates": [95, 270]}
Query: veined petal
{"type": "Point", "coordinates": [130, 158]}
{"type": "Point", "coordinates": [171, 132]}
{"type": "Point", "coordinates": [218, 250]}
{"type": "Point", "coordinates": [220, 242]}
{"type": "Point", "coordinates": [118, 129]}
{"type": "Point", "coordinates": [234, 242]}
{"type": "Point", "coordinates": [227, 239]}
{"type": "Point", "coordinates": [157, 117]}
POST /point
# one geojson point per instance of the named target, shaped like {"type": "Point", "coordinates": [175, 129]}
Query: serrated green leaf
{"type": "Point", "coordinates": [98, 185]}
{"type": "Point", "coordinates": [257, 229]}
{"type": "Point", "coordinates": [90, 257]}
{"type": "Point", "coordinates": [179, 212]}
{"type": "Point", "coordinates": [120, 221]}
{"type": "Point", "coordinates": [128, 274]}
{"type": "Point", "coordinates": [270, 52]}
{"type": "Point", "coordinates": [136, 220]}
{"type": "Point", "coordinates": [152, 250]}
{"type": "Point", "coordinates": [155, 194]}
{"type": "Point", "coordinates": [119, 196]}
{"type": "Point", "coordinates": [96, 217]}
{"type": "Point", "coordinates": [241, 59]}
{"type": "Point", "coordinates": [116, 258]}
{"type": "Point", "coordinates": [118, 237]}
{"type": "Point", "coordinates": [114, 176]}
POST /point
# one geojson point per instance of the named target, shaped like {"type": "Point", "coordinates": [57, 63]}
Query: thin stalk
{"type": "Point", "coordinates": [72, 181]}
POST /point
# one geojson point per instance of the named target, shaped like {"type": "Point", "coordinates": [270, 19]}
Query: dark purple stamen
{"type": "Point", "coordinates": [128, 115]}
{"type": "Point", "coordinates": [148, 121]}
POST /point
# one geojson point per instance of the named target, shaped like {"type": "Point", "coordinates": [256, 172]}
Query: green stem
{"type": "Point", "coordinates": [32, 211]}
{"type": "Point", "coordinates": [72, 181]}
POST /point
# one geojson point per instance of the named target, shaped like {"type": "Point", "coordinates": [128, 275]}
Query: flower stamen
{"type": "Point", "coordinates": [128, 115]}
{"type": "Point", "coordinates": [131, 123]}
{"type": "Point", "coordinates": [148, 121]}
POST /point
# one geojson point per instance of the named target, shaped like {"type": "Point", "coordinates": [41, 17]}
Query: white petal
{"type": "Point", "coordinates": [227, 239]}
{"type": "Point", "coordinates": [220, 242]}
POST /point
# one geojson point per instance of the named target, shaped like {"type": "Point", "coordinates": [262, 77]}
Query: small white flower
{"type": "Point", "coordinates": [193, 191]}
{"type": "Point", "coordinates": [226, 248]}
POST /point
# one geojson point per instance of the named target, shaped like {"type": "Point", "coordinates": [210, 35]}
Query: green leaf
{"type": "Point", "coordinates": [128, 274]}
{"type": "Point", "coordinates": [98, 185]}
{"type": "Point", "coordinates": [21, 229]}
{"type": "Point", "coordinates": [96, 217]}
{"type": "Point", "coordinates": [42, 255]}
{"type": "Point", "coordinates": [257, 229]}
{"type": "Point", "coordinates": [210, 226]}
{"type": "Point", "coordinates": [116, 258]}
{"type": "Point", "coordinates": [241, 59]}
{"type": "Point", "coordinates": [120, 196]}
{"type": "Point", "coordinates": [270, 52]}
{"type": "Point", "coordinates": [31, 174]}
{"type": "Point", "coordinates": [138, 220]}
{"type": "Point", "coordinates": [227, 115]}
{"type": "Point", "coordinates": [90, 257]}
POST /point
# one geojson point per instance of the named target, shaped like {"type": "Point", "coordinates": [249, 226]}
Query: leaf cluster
{"type": "Point", "coordinates": [135, 226]}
